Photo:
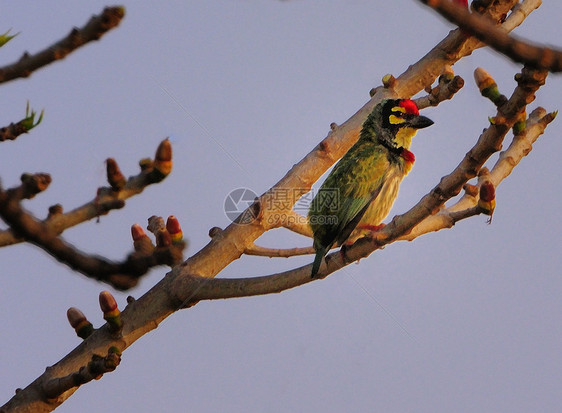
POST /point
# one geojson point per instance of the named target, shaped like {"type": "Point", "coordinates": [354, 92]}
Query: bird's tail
{"type": "Point", "coordinates": [320, 254]}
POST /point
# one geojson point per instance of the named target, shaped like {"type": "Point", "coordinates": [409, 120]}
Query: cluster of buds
{"type": "Point", "coordinates": [32, 184]}
{"type": "Point", "coordinates": [111, 314]}
{"type": "Point", "coordinates": [99, 365]}
{"type": "Point", "coordinates": [166, 233]}
{"type": "Point", "coordinates": [155, 170]}
{"type": "Point", "coordinates": [168, 239]}
{"type": "Point", "coordinates": [161, 166]}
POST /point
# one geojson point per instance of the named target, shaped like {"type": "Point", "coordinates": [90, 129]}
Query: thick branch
{"type": "Point", "coordinates": [92, 371]}
{"type": "Point", "coordinates": [200, 288]}
{"type": "Point", "coordinates": [453, 47]}
{"type": "Point", "coordinates": [488, 143]}
{"type": "Point", "coordinates": [175, 291]}
{"type": "Point", "coordinates": [296, 222]}
{"type": "Point", "coordinates": [93, 30]}
{"type": "Point", "coordinates": [236, 238]}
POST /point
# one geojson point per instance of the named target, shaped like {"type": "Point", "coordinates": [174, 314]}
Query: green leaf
{"type": "Point", "coordinates": [5, 38]}
{"type": "Point", "coordinates": [29, 121]}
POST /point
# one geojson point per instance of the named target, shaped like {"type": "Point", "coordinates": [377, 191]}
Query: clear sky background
{"type": "Point", "coordinates": [462, 320]}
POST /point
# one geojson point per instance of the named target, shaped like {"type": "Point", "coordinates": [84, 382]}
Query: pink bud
{"type": "Point", "coordinates": [174, 228]}
{"type": "Point", "coordinates": [75, 317]}
{"type": "Point", "coordinates": [107, 302]}
{"type": "Point", "coordinates": [137, 232]}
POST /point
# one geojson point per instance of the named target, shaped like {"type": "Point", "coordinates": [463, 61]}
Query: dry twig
{"type": "Point", "coordinates": [540, 57]}
{"type": "Point", "coordinates": [93, 30]}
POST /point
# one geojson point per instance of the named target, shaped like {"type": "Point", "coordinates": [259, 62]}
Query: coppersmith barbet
{"type": "Point", "coordinates": [360, 191]}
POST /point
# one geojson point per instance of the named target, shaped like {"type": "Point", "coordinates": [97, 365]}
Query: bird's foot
{"type": "Point", "coordinates": [366, 231]}
{"type": "Point", "coordinates": [370, 228]}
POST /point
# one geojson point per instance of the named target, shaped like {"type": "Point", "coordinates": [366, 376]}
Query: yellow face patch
{"type": "Point", "coordinates": [395, 120]}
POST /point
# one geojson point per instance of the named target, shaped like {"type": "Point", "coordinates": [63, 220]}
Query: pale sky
{"type": "Point", "coordinates": [463, 320]}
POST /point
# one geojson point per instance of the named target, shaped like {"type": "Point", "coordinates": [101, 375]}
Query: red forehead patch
{"type": "Point", "coordinates": [410, 106]}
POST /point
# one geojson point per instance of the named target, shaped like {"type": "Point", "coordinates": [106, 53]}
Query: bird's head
{"type": "Point", "coordinates": [395, 121]}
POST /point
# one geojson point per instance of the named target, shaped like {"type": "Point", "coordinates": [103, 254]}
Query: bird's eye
{"type": "Point", "coordinates": [398, 111]}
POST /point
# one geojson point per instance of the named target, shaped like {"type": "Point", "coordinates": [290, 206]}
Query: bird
{"type": "Point", "coordinates": [362, 187]}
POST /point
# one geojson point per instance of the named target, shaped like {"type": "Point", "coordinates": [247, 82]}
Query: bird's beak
{"type": "Point", "coordinates": [421, 122]}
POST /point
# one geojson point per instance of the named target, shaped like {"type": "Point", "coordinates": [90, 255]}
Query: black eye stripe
{"type": "Point", "coordinates": [404, 115]}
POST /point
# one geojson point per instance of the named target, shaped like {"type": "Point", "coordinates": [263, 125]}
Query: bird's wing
{"type": "Point", "coordinates": [360, 182]}
{"type": "Point", "coordinates": [355, 211]}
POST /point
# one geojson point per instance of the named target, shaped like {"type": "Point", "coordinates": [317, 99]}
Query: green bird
{"type": "Point", "coordinates": [359, 192]}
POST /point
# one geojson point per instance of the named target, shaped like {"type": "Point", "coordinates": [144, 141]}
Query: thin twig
{"type": "Point", "coordinates": [121, 275]}
{"type": "Point", "coordinates": [278, 252]}
{"type": "Point", "coordinates": [540, 57]}
{"type": "Point", "coordinates": [96, 27]}
{"type": "Point", "coordinates": [106, 199]}
{"type": "Point", "coordinates": [448, 85]}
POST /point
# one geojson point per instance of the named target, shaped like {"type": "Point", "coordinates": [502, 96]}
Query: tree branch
{"type": "Point", "coordinates": [540, 57]}
{"type": "Point", "coordinates": [489, 142]}
{"type": "Point", "coordinates": [457, 45]}
{"type": "Point", "coordinates": [93, 30]}
{"type": "Point", "coordinates": [122, 276]}
{"type": "Point", "coordinates": [464, 208]}
{"type": "Point", "coordinates": [43, 234]}
{"type": "Point", "coordinates": [97, 367]}
{"type": "Point", "coordinates": [13, 130]}
{"type": "Point", "coordinates": [234, 239]}
{"type": "Point", "coordinates": [414, 223]}
{"type": "Point", "coordinates": [296, 222]}
{"type": "Point", "coordinates": [178, 289]}
{"type": "Point", "coordinates": [278, 252]}
{"type": "Point", "coordinates": [107, 198]}
{"type": "Point", "coordinates": [447, 86]}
